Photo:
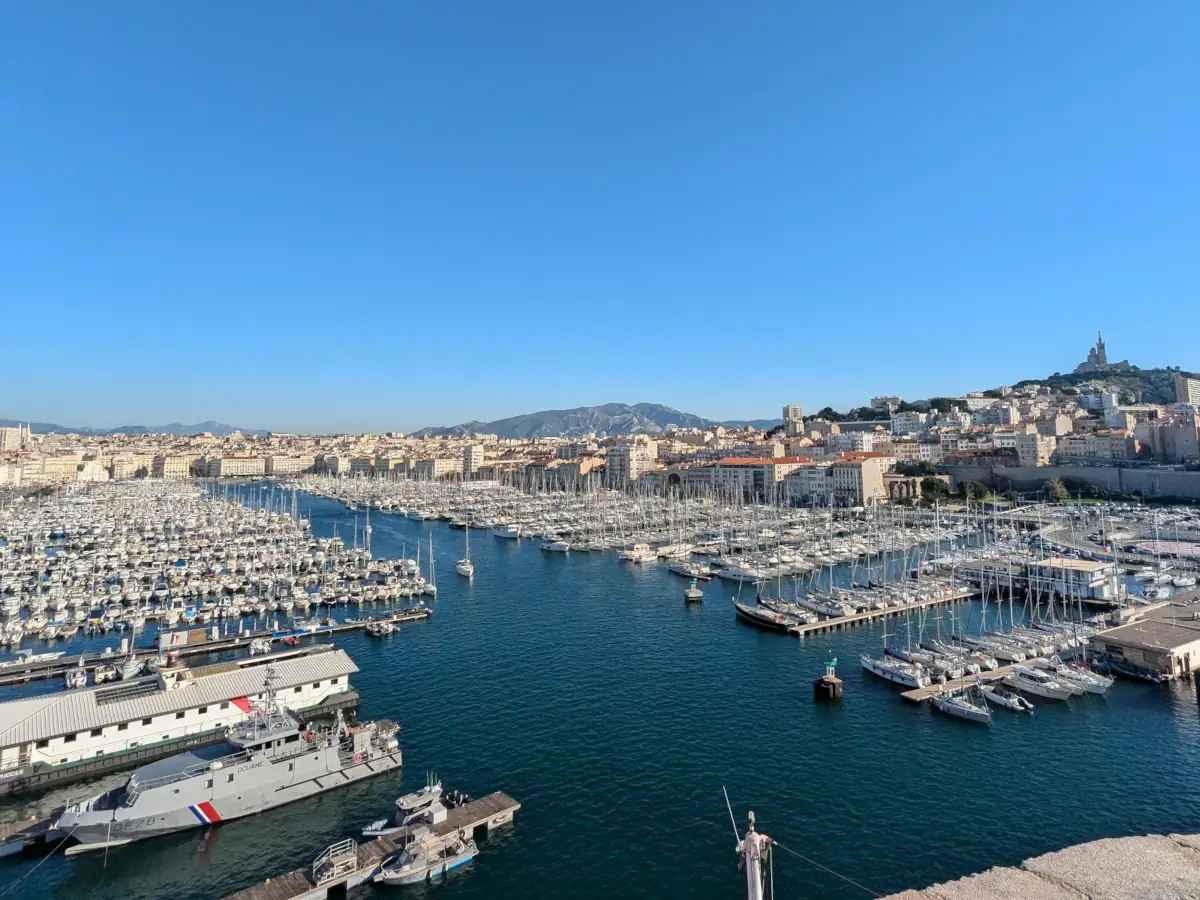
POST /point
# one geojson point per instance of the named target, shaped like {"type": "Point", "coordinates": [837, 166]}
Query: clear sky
{"type": "Point", "coordinates": [368, 216]}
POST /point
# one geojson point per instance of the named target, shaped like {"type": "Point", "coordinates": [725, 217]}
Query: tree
{"type": "Point", "coordinates": [1055, 491]}
{"type": "Point", "coordinates": [933, 489]}
{"type": "Point", "coordinates": [976, 489]}
{"type": "Point", "coordinates": [1010, 496]}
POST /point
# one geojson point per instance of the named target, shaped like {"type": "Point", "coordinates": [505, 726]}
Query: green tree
{"type": "Point", "coordinates": [976, 489]}
{"type": "Point", "coordinates": [933, 489]}
{"type": "Point", "coordinates": [1055, 491]}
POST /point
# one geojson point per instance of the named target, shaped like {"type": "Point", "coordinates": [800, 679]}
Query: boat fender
{"type": "Point", "coordinates": [358, 757]}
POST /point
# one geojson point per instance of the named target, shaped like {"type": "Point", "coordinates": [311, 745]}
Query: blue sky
{"type": "Point", "coordinates": [387, 215]}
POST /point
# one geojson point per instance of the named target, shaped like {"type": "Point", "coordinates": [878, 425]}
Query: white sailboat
{"type": "Point", "coordinates": [464, 566]}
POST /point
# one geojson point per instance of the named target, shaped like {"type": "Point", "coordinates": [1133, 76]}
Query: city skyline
{"type": "Point", "coordinates": [421, 216]}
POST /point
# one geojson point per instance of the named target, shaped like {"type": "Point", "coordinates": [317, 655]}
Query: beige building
{"type": "Point", "coordinates": [171, 466]}
{"type": "Point", "coordinates": [473, 457]}
{"type": "Point", "coordinates": [435, 468]}
{"type": "Point", "coordinates": [625, 463]}
{"type": "Point", "coordinates": [282, 465]}
{"type": "Point", "coordinates": [857, 478]}
{"type": "Point", "coordinates": [61, 467]}
{"type": "Point", "coordinates": [1034, 449]}
{"type": "Point", "coordinates": [14, 438]}
{"type": "Point", "coordinates": [235, 467]}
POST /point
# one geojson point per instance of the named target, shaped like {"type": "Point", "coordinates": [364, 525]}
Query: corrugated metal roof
{"type": "Point", "coordinates": [68, 712]}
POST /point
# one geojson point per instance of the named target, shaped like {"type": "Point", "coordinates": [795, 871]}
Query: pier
{"type": "Point", "coordinates": [838, 622]}
{"type": "Point", "coordinates": [347, 864]}
{"type": "Point", "coordinates": [926, 694]}
{"type": "Point", "coordinates": [57, 668]}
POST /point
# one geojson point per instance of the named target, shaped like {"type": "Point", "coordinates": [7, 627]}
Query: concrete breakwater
{"type": "Point", "coordinates": [1153, 867]}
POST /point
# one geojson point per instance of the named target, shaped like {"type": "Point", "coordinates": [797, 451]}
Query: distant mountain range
{"type": "Point", "coordinates": [612, 418]}
{"type": "Point", "coordinates": [173, 428]}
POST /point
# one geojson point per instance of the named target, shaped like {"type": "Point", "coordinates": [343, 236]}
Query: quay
{"type": "Point", "coordinates": [346, 864]}
{"type": "Point", "coordinates": [1130, 868]}
{"type": "Point", "coordinates": [57, 668]}
{"type": "Point", "coordinates": [838, 622]}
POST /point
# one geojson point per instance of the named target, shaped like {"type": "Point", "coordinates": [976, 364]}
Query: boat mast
{"type": "Point", "coordinates": [754, 847]}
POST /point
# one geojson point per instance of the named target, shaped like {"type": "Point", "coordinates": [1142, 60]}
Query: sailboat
{"type": "Point", "coordinates": [464, 566]}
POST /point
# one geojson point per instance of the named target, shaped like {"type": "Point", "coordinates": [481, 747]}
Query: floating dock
{"type": "Point", "coordinates": [57, 668]}
{"type": "Point", "coordinates": [347, 864]}
{"type": "Point", "coordinates": [838, 622]}
{"type": "Point", "coordinates": [926, 694]}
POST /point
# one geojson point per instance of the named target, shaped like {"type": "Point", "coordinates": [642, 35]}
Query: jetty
{"type": "Point", "coordinates": [926, 694]}
{"type": "Point", "coordinates": [836, 623]}
{"type": "Point", "coordinates": [57, 668]}
{"type": "Point", "coordinates": [347, 864]}
{"type": "Point", "coordinates": [1158, 866]}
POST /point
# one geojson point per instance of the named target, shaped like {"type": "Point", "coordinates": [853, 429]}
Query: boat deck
{"type": "Point", "coordinates": [486, 812]}
{"type": "Point", "coordinates": [837, 622]}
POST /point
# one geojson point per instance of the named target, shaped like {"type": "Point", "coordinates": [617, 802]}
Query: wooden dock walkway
{"type": "Point", "coordinates": [838, 622]}
{"type": "Point", "coordinates": [926, 694]}
{"type": "Point", "coordinates": [57, 668]}
{"type": "Point", "coordinates": [346, 864]}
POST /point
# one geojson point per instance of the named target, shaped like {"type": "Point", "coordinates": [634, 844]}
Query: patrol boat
{"type": "Point", "coordinates": [266, 761]}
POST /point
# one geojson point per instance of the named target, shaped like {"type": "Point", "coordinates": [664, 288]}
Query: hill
{"type": "Point", "coordinates": [1144, 385]}
{"type": "Point", "coordinates": [173, 428]}
{"type": "Point", "coordinates": [611, 418]}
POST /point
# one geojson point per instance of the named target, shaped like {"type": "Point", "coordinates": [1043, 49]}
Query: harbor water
{"type": "Point", "coordinates": [615, 714]}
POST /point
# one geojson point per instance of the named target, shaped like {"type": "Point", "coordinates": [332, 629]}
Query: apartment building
{"type": "Point", "coordinates": [793, 419]}
{"type": "Point", "coordinates": [858, 478]}
{"type": "Point", "coordinates": [473, 457]}
{"type": "Point", "coordinates": [1035, 449]}
{"type": "Point", "coordinates": [434, 468]}
{"type": "Point", "coordinates": [233, 466]}
{"type": "Point", "coordinates": [172, 466]}
{"type": "Point", "coordinates": [754, 477]}
{"type": "Point", "coordinates": [14, 438]}
{"type": "Point", "coordinates": [625, 463]}
{"type": "Point", "coordinates": [909, 422]}
{"type": "Point", "coordinates": [809, 483]}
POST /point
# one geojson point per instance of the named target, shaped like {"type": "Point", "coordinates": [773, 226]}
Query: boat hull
{"type": "Point", "coordinates": [222, 809]}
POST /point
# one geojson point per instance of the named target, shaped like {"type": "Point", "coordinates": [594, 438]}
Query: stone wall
{"type": "Point", "coordinates": [1155, 867]}
{"type": "Point", "coordinates": [1149, 482]}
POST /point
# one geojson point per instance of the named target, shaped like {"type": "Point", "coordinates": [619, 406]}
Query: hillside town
{"type": "Point", "coordinates": [890, 451]}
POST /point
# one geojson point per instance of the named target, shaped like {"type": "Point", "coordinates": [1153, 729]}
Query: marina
{"type": "Point", "coordinates": [609, 616]}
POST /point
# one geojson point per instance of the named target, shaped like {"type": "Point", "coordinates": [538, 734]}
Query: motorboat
{"type": "Point", "coordinates": [423, 807]}
{"type": "Point", "coordinates": [27, 657]}
{"type": "Point", "coordinates": [1035, 681]}
{"type": "Point", "coordinates": [426, 859]}
{"type": "Point", "coordinates": [638, 553]}
{"type": "Point", "coordinates": [994, 693]}
{"type": "Point", "coordinates": [554, 544]}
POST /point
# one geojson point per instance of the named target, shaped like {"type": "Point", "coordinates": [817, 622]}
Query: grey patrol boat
{"type": "Point", "coordinates": [266, 761]}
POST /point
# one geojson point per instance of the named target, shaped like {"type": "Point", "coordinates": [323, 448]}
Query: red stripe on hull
{"type": "Point", "coordinates": [209, 812]}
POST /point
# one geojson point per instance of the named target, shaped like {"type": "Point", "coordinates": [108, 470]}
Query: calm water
{"type": "Point", "coordinates": [586, 689]}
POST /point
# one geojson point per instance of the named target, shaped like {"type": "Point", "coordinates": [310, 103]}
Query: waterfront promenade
{"type": "Point", "coordinates": [1154, 867]}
